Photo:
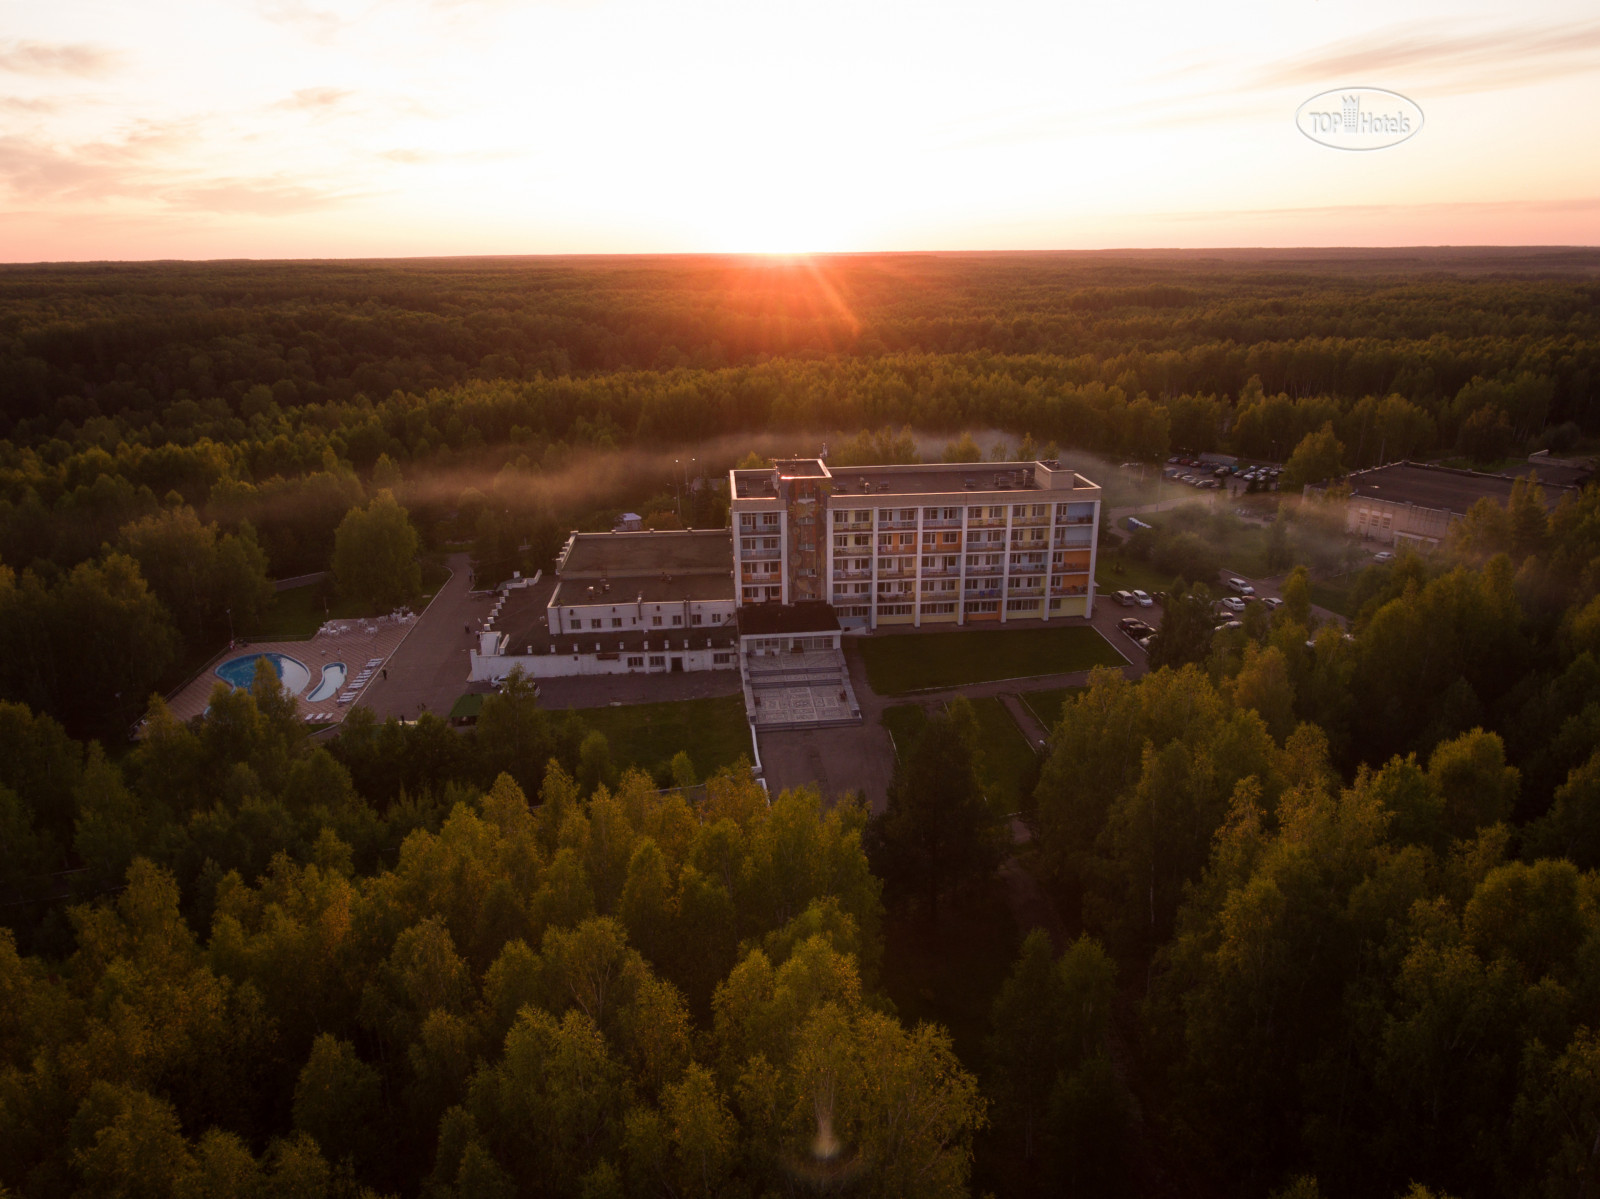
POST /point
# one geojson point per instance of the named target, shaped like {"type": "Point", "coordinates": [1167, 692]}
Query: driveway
{"type": "Point", "coordinates": [428, 672]}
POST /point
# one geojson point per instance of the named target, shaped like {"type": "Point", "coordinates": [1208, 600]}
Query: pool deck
{"type": "Point", "coordinates": [358, 643]}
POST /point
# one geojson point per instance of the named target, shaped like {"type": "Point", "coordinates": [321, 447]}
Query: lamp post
{"type": "Point", "coordinates": [230, 626]}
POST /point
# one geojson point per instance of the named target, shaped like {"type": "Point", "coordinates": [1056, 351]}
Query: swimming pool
{"type": "Point", "coordinates": [333, 676]}
{"type": "Point", "coordinates": [240, 672]}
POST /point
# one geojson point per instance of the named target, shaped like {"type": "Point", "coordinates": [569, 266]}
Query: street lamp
{"type": "Point", "coordinates": [230, 626]}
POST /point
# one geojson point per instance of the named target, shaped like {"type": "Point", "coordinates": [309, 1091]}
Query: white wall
{"type": "Point", "coordinates": [568, 665]}
{"type": "Point", "coordinates": [575, 618]}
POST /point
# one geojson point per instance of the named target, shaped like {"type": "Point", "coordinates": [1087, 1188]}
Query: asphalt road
{"type": "Point", "coordinates": [428, 672]}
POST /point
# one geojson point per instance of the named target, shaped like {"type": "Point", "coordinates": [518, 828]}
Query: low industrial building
{"type": "Point", "coordinates": [1414, 504]}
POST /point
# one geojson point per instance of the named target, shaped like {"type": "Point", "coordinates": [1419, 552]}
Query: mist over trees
{"type": "Point", "coordinates": [1327, 898]}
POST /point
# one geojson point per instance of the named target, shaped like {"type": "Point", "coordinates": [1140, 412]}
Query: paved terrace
{"type": "Point", "coordinates": [361, 645]}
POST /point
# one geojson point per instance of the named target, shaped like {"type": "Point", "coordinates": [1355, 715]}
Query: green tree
{"type": "Point", "coordinates": [937, 833]}
{"type": "Point", "coordinates": [375, 554]}
{"type": "Point", "coordinates": [1318, 457]}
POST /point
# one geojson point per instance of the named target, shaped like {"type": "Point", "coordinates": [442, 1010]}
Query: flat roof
{"type": "Point", "coordinates": [634, 555]}
{"type": "Point", "coordinates": [627, 590]}
{"type": "Point", "coordinates": [943, 478]}
{"type": "Point", "coordinates": [761, 620]}
{"type": "Point", "coordinates": [1439, 487]}
{"type": "Point", "coordinates": [524, 618]}
{"type": "Point", "coordinates": [800, 468]}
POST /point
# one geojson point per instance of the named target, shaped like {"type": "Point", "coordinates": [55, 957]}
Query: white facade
{"type": "Point", "coordinates": [614, 614]}
{"type": "Point", "coordinates": [665, 656]}
{"type": "Point", "coordinates": [938, 543]}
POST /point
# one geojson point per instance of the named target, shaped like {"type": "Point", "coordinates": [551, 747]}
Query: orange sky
{"type": "Point", "coordinates": [303, 128]}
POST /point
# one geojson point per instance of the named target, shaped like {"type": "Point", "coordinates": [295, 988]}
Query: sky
{"type": "Point", "coordinates": [365, 128]}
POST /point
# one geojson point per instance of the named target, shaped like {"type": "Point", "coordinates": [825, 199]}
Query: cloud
{"type": "Point", "coordinates": [1451, 62]}
{"type": "Point", "coordinates": [29, 104]}
{"type": "Point", "coordinates": [408, 157]}
{"type": "Point", "coordinates": [269, 196]}
{"type": "Point", "coordinates": [35, 168]}
{"type": "Point", "coordinates": [43, 58]}
{"type": "Point", "coordinates": [315, 99]}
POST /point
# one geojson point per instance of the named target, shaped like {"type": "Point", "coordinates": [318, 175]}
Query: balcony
{"type": "Point", "coordinates": [1081, 538]}
{"type": "Point", "coordinates": [852, 574]}
{"type": "Point", "coordinates": [760, 555]}
{"type": "Point", "coordinates": [986, 522]}
{"type": "Point", "coordinates": [983, 593]}
{"type": "Point", "coordinates": [1024, 592]}
{"type": "Point", "coordinates": [852, 526]}
{"type": "Point", "coordinates": [941, 523]}
{"type": "Point", "coordinates": [1022, 522]}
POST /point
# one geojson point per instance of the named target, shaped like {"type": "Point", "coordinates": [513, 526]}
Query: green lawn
{"type": "Point", "coordinates": [1047, 705]}
{"type": "Point", "coordinates": [1114, 572]}
{"type": "Point", "coordinates": [714, 732]}
{"type": "Point", "coordinates": [298, 613]}
{"type": "Point", "coordinates": [902, 664]}
{"type": "Point", "coordinates": [1007, 763]}
{"type": "Point", "coordinates": [1333, 595]}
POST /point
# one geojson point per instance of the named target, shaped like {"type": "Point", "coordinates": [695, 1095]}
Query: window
{"type": "Point", "coordinates": [594, 624]}
{"type": "Point", "coordinates": [774, 592]}
{"type": "Point", "coordinates": [930, 514]}
{"type": "Point", "coordinates": [655, 622]}
{"type": "Point", "coordinates": [894, 609]}
{"type": "Point", "coordinates": [841, 518]}
{"type": "Point", "coordinates": [950, 538]}
{"type": "Point", "coordinates": [616, 622]}
{"type": "Point", "coordinates": [841, 543]}
{"type": "Point", "coordinates": [951, 513]}
{"type": "Point", "coordinates": [930, 538]}
{"type": "Point", "coordinates": [677, 620]}
{"type": "Point", "coordinates": [1019, 510]}
{"type": "Point", "coordinates": [635, 662]}
{"type": "Point", "coordinates": [716, 618]}
{"type": "Point", "coordinates": [658, 659]}
{"type": "Point", "coordinates": [975, 513]}
{"type": "Point", "coordinates": [885, 538]}
{"type": "Point", "coordinates": [908, 514]}
{"type": "Point", "coordinates": [721, 659]}
{"type": "Point", "coordinates": [979, 607]}
{"type": "Point", "coordinates": [769, 520]}
{"type": "Point", "coordinates": [1022, 605]}
{"type": "Point", "coordinates": [863, 517]}
{"type": "Point", "coordinates": [929, 563]}
{"type": "Point", "coordinates": [695, 619]}
{"type": "Point", "coordinates": [937, 609]}
{"type": "Point", "coordinates": [747, 520]}
{"type": "Point", "coordinates": [948, 584]}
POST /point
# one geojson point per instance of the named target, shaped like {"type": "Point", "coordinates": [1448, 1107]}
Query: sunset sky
{"type": "Point", "coordinates": [337, 128]}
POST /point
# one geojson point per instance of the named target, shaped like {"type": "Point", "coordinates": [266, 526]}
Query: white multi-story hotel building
{"type": "Point", "coordinates": [952, 543]}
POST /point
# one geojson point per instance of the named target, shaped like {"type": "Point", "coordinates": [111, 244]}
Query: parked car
{"type": "Point", "coordinates": [1142, 598]}
{"type": "Point", "coordinates": [1231, 624]}
{"type": "Point", "coordinates": [1145, 643]}
{"type": "Point", "coordinates": [1232, 603]}
{"type": "Point", "coordinates": [1273, 603]}
{"type": "Point", "coordinates": [1137, 630]}
{"type": "Point", "coordinates": [1383, 556]}
{"type": "Point", "coordinates": [1240, 587]}
{"type": "Point", "coordinates": [1125, 598]}
{"type": "Point", "coordinates": [1128, 622]}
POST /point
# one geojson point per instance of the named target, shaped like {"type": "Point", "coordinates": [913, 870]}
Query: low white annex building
{"type": "Point", "coordinates": [620, 603]}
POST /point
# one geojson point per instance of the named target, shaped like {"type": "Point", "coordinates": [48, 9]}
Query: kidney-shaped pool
{"type": "Point", "coordinates": [241, 672]}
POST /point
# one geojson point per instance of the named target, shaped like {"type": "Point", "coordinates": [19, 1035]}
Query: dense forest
{"type": "Point", "coordinates": [1330, 897]}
